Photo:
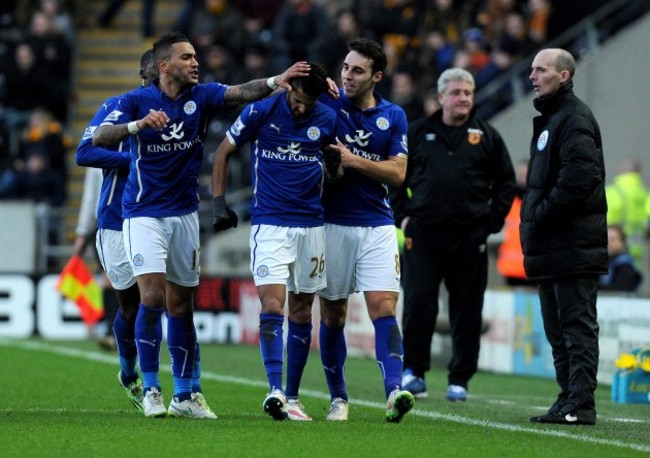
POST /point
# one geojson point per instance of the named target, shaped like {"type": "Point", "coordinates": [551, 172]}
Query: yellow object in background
{"type": "Point", "coordinates": [400, 240]}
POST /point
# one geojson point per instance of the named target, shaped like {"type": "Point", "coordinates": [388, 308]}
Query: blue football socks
{"type": "Point", "coordinates": [181, 340]}
{"type": "Point", "coordinates": [298, 344]}
{"type": "Point", "coordinates": [389, 352]}
{"type": "Point", "coordinates": [126, 349]}
{"type": "Point", "coordinates": [148, 333]}
{"type": "Point", "coordinates": [333, 352]}
{"type": "Point", "coordinates": [196, 373]}
{"type": "Point", "coordinates": [272, 346]}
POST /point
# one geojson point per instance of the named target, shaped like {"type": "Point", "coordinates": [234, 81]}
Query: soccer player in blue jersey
{"type": "Point", "coordinates": [166, 125]}
{"type": "Point", "coordinates": [287, 132]}
{"type": "Point", "coordinates": [110, 246]}
{"type": "Point", "coordinates": [362, 254]}
{"type": "Point", "coordinates": [114, 165]}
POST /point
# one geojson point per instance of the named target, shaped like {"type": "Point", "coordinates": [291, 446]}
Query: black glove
{"type": "Point", "coordinates": [222, 216]}
{"type": "Point", "coordinates": [332, 159]}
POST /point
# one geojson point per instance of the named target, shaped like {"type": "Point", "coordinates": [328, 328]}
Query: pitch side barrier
{"type": "Point", "coordinates": [227, 311]}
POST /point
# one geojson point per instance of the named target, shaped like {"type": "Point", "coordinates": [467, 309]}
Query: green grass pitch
{"type": "Point", "coordinates": [61, 399]}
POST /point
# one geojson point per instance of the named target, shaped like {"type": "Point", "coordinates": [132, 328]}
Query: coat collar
{"type": "Point", "coordinates": [550, 104]}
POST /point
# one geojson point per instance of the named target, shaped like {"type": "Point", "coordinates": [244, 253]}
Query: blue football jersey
{"type": "Point", "coordinates": [115, 169]}
{"type": "Point", "coordinates": [286, 160]}
{"type": "Point", "coordinates": [375, 134]}
{"type": "Point", "coordinates": [164, 173]}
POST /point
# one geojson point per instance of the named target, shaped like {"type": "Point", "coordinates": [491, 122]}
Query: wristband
{"type": "Point", "coordinates": [271, 83]}
{"type": "Point", "coordinates": [133, 127]}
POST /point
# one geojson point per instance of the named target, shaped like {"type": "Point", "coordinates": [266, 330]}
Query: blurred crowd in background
{"type": "Point", "coordinates": [239, 40]}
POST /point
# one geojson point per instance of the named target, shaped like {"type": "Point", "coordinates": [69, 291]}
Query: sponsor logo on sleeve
{"type": "Point", "coordinates": [88, 133]}
{"type": "Point", "coordinates": [237, 127]}
{"type": "Point", "coordinates": [113, 116]}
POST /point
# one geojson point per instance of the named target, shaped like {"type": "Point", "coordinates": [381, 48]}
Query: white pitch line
{"type": "Point", "coordinates": [50, 347]}
{"type": "Point", "coordinates": [544, 408]}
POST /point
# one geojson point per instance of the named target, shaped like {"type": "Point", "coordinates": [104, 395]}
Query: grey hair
{"type": "Point", "coordinates": [454, 74]}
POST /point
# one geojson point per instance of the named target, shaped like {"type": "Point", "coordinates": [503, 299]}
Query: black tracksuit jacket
{"type": "Point", "coordinates": [456, 188]}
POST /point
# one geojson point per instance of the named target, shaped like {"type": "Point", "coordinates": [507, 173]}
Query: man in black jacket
{"type": "Point", "coordinates": [459, 186]}
{"type": "Point", "coordinates": [564, 232]}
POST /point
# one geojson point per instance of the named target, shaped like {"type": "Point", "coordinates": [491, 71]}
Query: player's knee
{"type": "Point", "coordinates": [180, 309]}
{"type": "Point", "coordinates": [333, 313]}
{"type": "Point", "coordinates": [153, 297]}
{"type": "Point", "coordinates": [382, 306]}
{"type": "Point", "coordinates": [300, 315]}
{"type": "Point", "coordinates": [272, 305]}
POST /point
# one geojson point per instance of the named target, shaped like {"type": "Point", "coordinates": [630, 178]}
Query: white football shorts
{"type": "Point", "coordinates": [112, 256]}
{"type": "Point", "coordinates": [360, 259]}
{"type": "Point", "coordinates": [291, 256]}
{"type": "Point", "coordinates": [164, 245]}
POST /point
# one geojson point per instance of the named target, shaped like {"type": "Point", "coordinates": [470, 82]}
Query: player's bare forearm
{"type": "Point", "coordinates": [219, 178]}
{"type": "Point", "coordinates": [220, 167]}
{"type": "Point", "coordinates": [246, 92]}
{"type": "Point", "coordinates": [256, 89]}
{"type": "Point", "coordinates": [391, 171]}
{"type": "Point", "coordinates": [110, 135]}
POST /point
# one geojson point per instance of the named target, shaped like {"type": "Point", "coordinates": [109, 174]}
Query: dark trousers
{"type": "Point", "coordinates": [571, 326]}
{"type": "Point", "coordinates": [464, 271]}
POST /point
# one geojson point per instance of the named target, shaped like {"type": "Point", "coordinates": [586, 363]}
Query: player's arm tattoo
{"type": "Point", "coordinates": [110, 135]}
{"type": "Point", "coordinates": [246, 92]}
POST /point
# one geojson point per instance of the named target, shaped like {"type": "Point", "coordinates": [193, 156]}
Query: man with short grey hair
{"type": "Point", "coordinates": [459, 187]}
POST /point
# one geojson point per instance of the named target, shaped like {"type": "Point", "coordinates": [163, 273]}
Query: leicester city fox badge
{"type": "Point", "coordinates": [138, 260]}
{"type": "Point", "coordinates": [313, 133]}
{"type": "Point", "coordinates": [189, 107]}
{"type": "Point", "coordinates": [383, 123]}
